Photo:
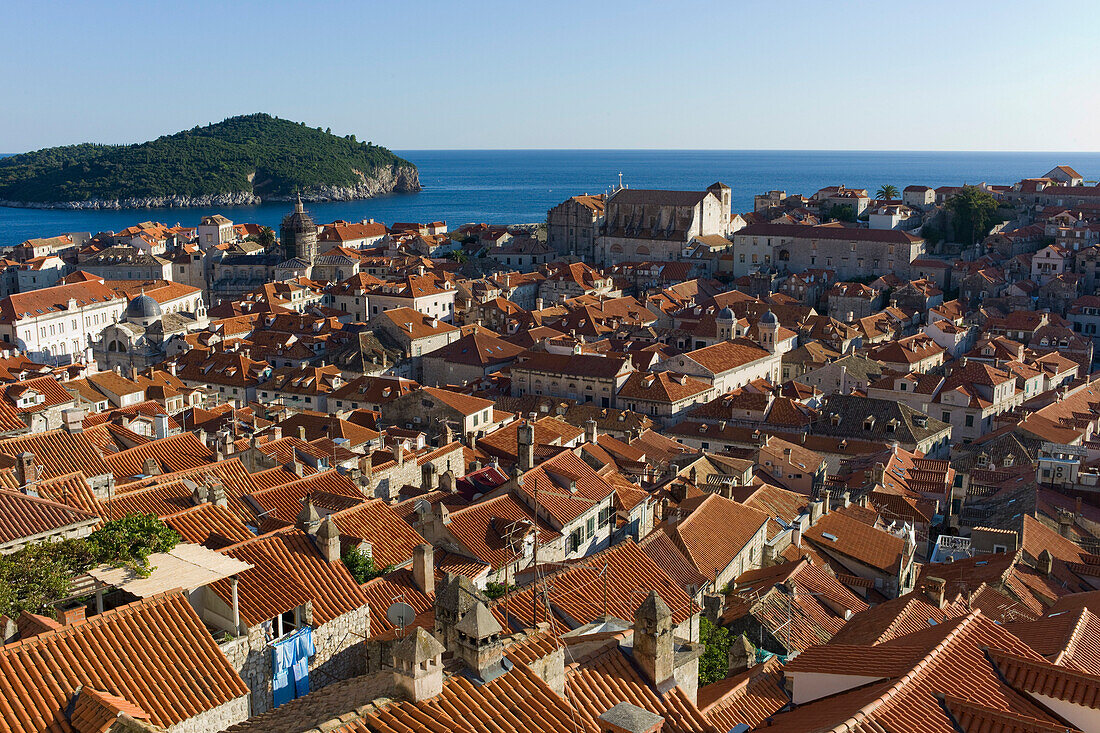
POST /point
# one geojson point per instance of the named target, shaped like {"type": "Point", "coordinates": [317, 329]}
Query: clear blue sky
{"type": "Point", "coordinates": [963, 74]}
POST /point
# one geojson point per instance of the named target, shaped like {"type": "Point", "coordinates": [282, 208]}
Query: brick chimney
{"type": "Point", "coordinates": [934, 588]}
{"type": "Point", "coordinates": [424, 568]}
{"type": "Point", "coordinates": [26, 472]}
{"type": "Point", "coordinates": [70, 616]}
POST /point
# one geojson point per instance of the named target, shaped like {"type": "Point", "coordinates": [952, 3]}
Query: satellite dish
{"type": "Point", "coordinates": [400, 614]}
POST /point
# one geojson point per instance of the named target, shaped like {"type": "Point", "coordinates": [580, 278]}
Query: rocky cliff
{"type": "Point", "coordinates": [395, 179]}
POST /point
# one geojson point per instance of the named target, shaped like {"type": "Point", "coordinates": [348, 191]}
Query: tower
{"type": "Point", "coordinates": [298, 234]}
{"type": "Point", "coordinates": [769, 331]}
{"type": "Point", "coordinates": [725, 321]}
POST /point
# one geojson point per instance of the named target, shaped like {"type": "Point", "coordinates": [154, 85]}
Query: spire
{"type": "Point", "coordinates": [298, 208]}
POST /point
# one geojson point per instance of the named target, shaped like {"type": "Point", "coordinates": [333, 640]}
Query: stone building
{"type": "Point", "coordinates": [572, 226]}
{"type": "Point", "coordinates": [315, 590]}
{"type": "Point", "coordinates": [298, 235]}
{"type": "Point", "coordinates": [141, 338]}
{"type": "Point", "coordinates": [642, 225]}
{"type": "Point", "coordinates": [849, 251]}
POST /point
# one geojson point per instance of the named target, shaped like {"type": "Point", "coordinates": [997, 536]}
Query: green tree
{"type": "Point", "coordinates": [265, 238]}
{"type": "Point", "coordinates": [33, 579]}
{"type": "Point", "coordinates": [842, 212]}
{"type": "Point", "coordinates": [361, 565]}
{"type": "Point", "coordinates": [887, 192]}
{"type": "Point", "coordinates": [975, 212]}
{"type": "Point", "coordinates": [714, 664]}
{"type": "Point", "coordinates": [129, 541]}
{"type": "Point", "coordinates": [494, 591]}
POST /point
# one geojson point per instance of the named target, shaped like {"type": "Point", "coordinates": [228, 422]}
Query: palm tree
{"type": "Point", "coordinates": [887, 193]}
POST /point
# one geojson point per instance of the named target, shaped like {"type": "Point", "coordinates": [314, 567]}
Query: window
{"type": "Point", "coordinates": [969, 421]}
{"type": "Point", "coordinates": [947, 417]}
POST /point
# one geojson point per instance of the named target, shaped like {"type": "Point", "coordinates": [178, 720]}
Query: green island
{"type": "Point", "coordinates": [240, 160]}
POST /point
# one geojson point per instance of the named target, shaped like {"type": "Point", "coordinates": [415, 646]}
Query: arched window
{"type": "Point", "coordinates": [784, 255]}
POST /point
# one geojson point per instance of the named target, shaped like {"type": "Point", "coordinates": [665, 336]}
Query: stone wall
{"type": "Point", "coordinates": [388, 481]}
{"type": "Point", "coordinates": [339, 655]}
{"type": "Point", "coordinates": [215, 719]}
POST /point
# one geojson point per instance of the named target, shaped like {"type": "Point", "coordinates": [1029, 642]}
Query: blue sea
{"type": "Point", "coordinates": [518, 186]}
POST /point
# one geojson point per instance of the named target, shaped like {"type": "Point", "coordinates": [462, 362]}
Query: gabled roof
{"type": "Point", "coordinates": [24, 517]}
{"type": "Point", "coordinates": [155, 654]}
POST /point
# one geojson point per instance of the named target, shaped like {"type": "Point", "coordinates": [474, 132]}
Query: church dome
{"type": "Point", "coordinates": [726, 314]}
{"type": "Point", "coordinates": [768, 319]}
{"type": "Point", "coordinates": [143, 308]}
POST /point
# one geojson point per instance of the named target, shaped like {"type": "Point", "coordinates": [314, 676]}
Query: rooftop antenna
{"type": "Point", "coordinates": [400, 614]}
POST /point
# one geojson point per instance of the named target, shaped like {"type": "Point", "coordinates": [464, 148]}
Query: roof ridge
{"type": "Point", "coordinates": [99, 619]}
{"type": "Point", "coordinates": [866, 712]}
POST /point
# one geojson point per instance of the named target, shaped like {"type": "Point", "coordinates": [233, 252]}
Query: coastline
{"type": "Point", "coordinates": [399, 179]}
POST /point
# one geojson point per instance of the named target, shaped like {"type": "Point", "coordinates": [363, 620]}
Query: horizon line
{"type": "Point", "coordinates": [690, 150]}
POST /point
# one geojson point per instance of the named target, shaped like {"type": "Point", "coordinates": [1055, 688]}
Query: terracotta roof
{"type": "Point", "coordinates": [24, 517]}
{"type": "Point", "coordinates": [601, 679]}
{"type": "Point", "coordinates": [34, 303]}
{"type": "Point", "coordinates": [565, 503]}
{"type": "Point", "coordinates": [465, 404]}
{"type": "Point", "coordinates": [155, 654]}
{"type": "Point", "coordinates": [667, 387]}
{"type": "Point", "coordinates": [577, 591]}
{"type": "Point", "coordinates": [748, 698]}
{"type": "Point", "coordinates": [715, 531]}
{"type": "Point", "coordinates": [175, 453]}
{"type": "Point", "coordinates": [208, 524]}
{"type": "Point", "coordinates": [392, 540]}
{"type": "Point", "coordinates": [56, 453]}
{"type": "Point", "coordinates": [484, 528]}
{"type": "Point", "coordinates": [727, 355]}
{"type": "Point", "coordinates": [287, 570]}
{"type": "Point", "coordinates": [874, 547]}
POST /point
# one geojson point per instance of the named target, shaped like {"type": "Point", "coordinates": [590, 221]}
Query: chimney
{"type": "Point", "coordinates": [1045, 563]}
{"type": "Point", "coordinates": [447, 482]}
{"type": "Point", "coordinates": [424, 568]}
{"type": "Point", "coordinates": [26, 472]}
{"type": "Point", "coordinates": [429, 479]}
{"type": "Point", "coordinates": [308, 519]}
{"type": "Point", "coordinates": [70, 616]}
{"type": "Point", "coordinates": [654, 650]}
{"type": "Point", "coordinates": [590, 433]}
{"type": "Point", "coordinates": [276, 433]}
{"type": "Point", "coordinates": [302, 433]}
{"type": "Point", "coordinates": [525, 437]}
{"type": "Point", "coordinates": [627, 718]}
{"type": "Point", "coordinates": [215, 492]}
{"type": "Point", "coordinates": [1065, 523]}
{"type": "Point", "coordinates": [934, 588]}
{"type": "Point", "coordinates": [826, 499]}
{"type": "Point", "coordinates": [328, 539]}
{"type": "Point", "coordinates": [298, 467]}
{"type": "Point", "coordinates": [846, 498]}
{"type": "Point", "coordinates": [150, 467]}
{"type": "Point", "coordinates": [741, 655]}
{"type": "Point", "coordinates": [398, 453]}
{"type": "Point", "coordinates": [796, 535]}
{"type": "Point", "coordinates": [418, 666]}
{"type": "Point", "coordinates": [73, 419]}
{"type": "Point", "coordinates": [478, 643]}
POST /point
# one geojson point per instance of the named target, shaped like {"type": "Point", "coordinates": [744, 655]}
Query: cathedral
{"type": "Point", "coordinates": [298, 235]}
